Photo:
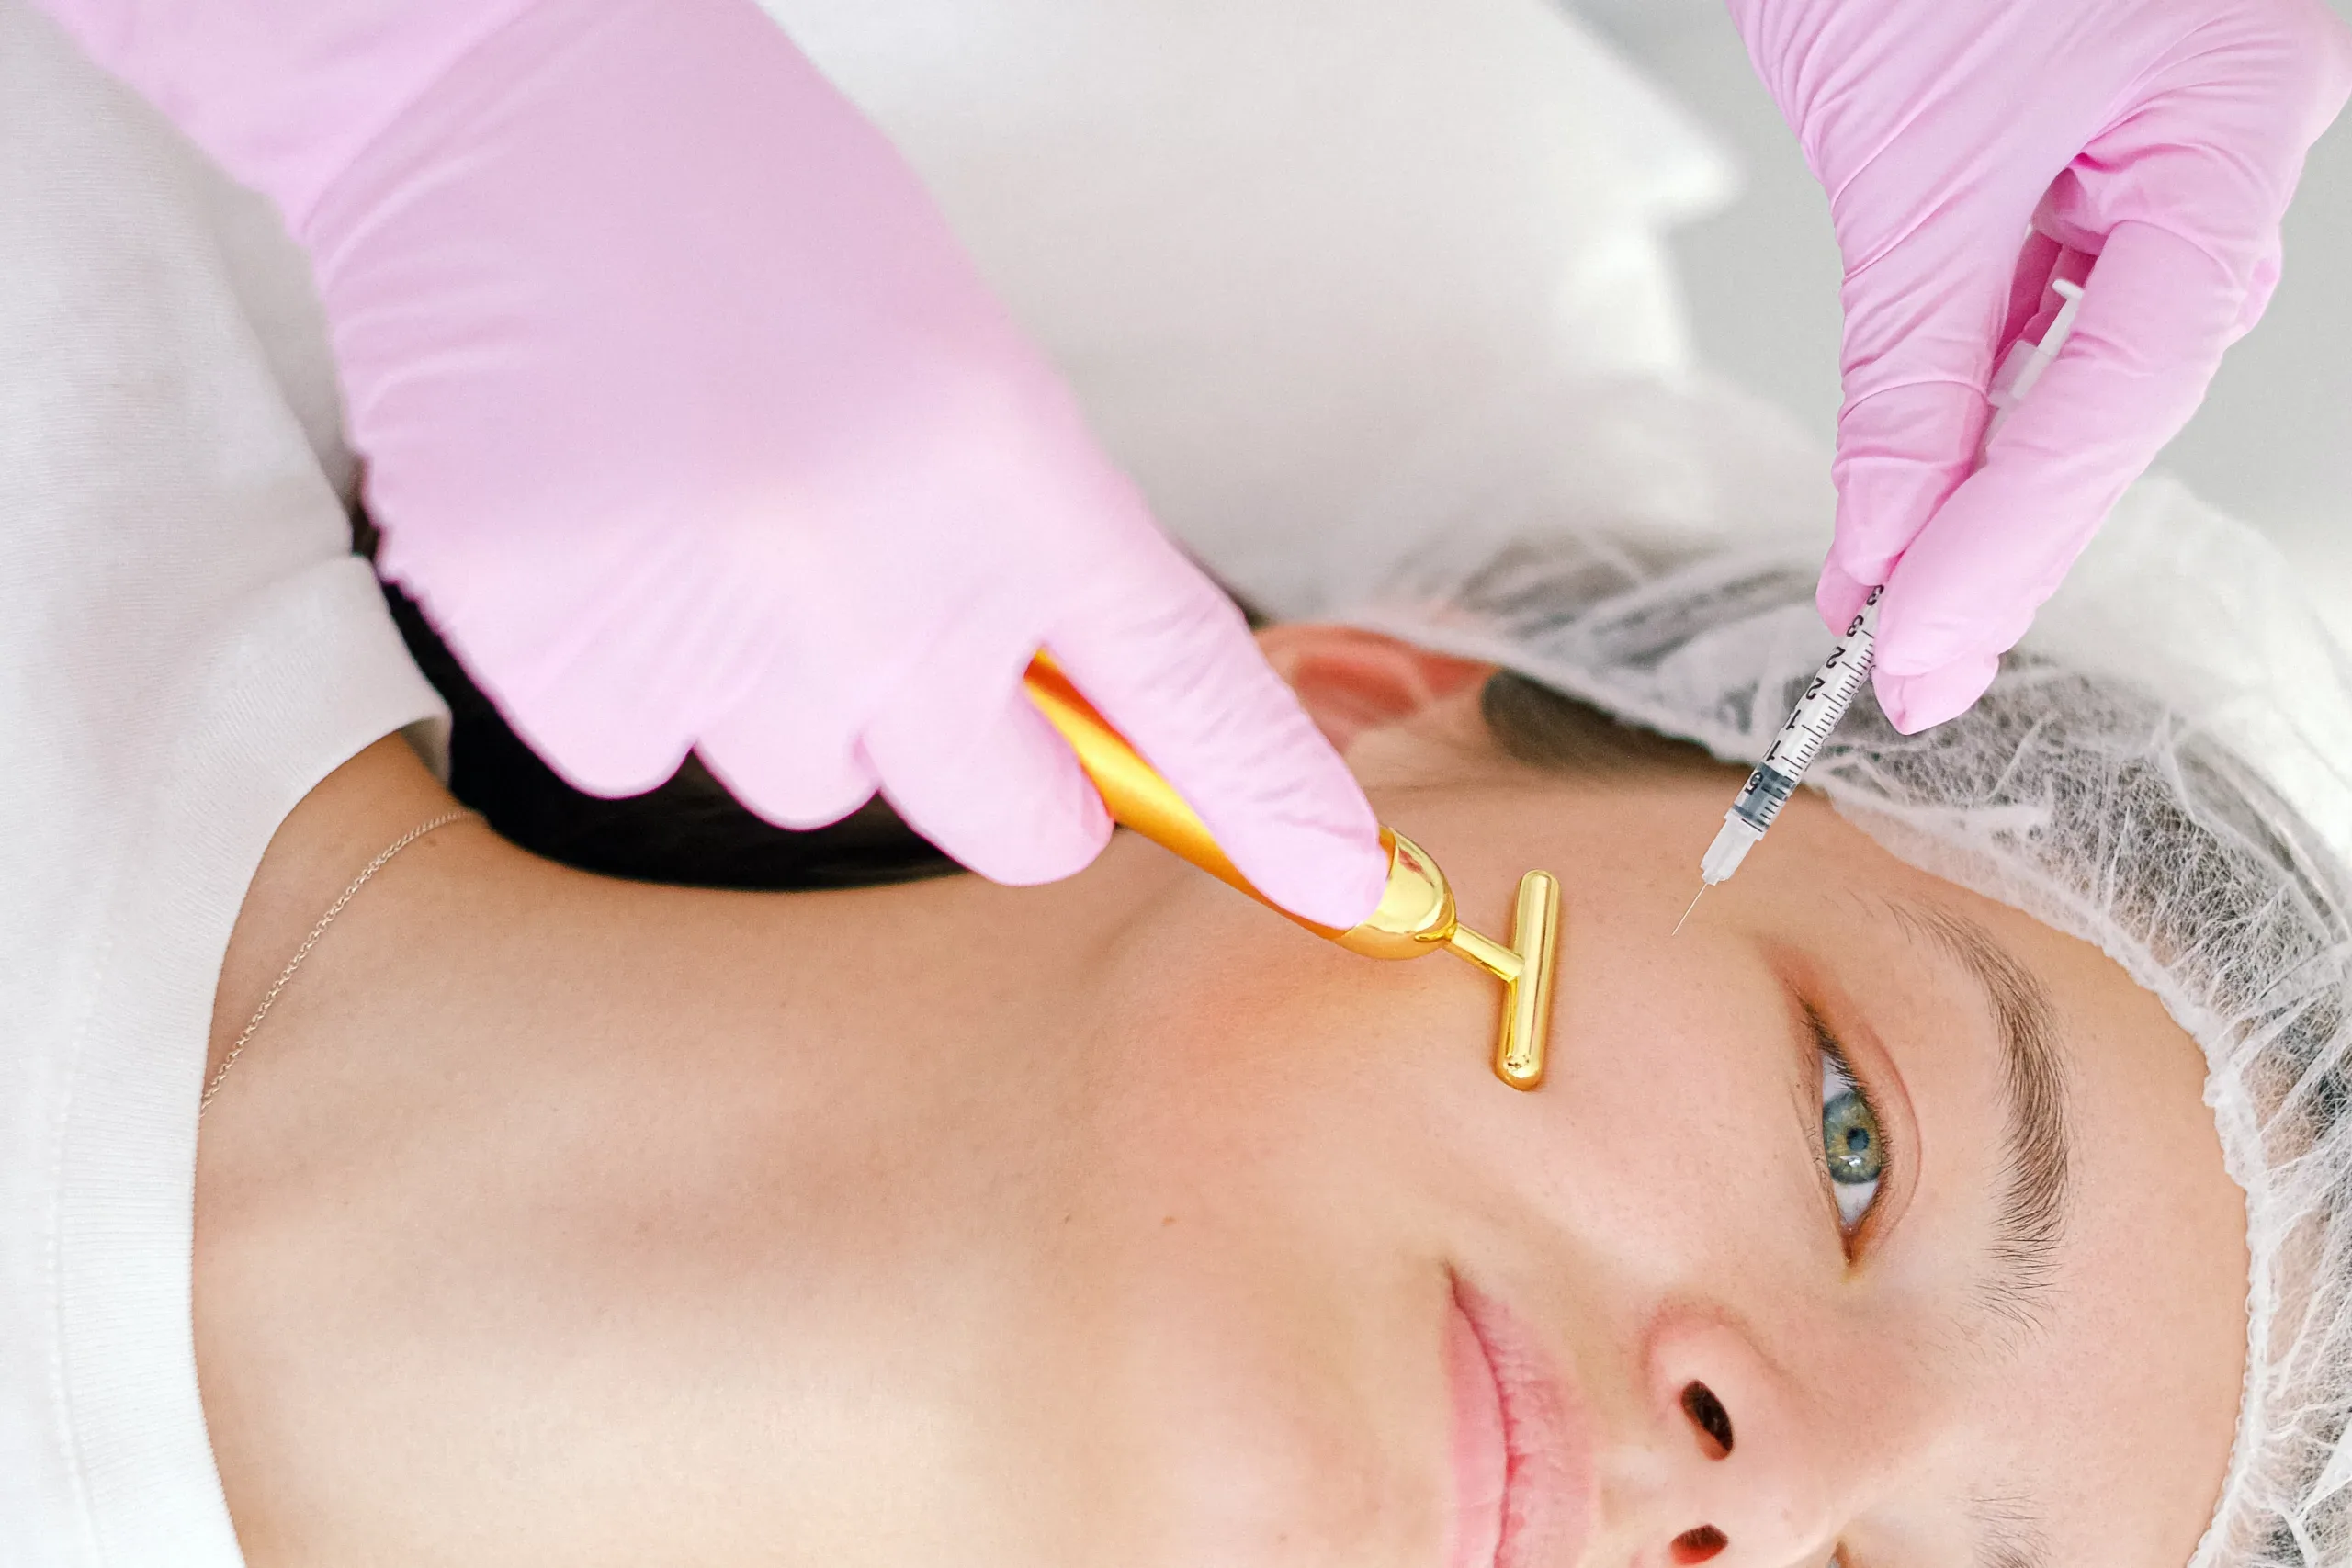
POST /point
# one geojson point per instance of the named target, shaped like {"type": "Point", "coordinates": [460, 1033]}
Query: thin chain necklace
{"type": "Point", "coordinates": [286, 974]}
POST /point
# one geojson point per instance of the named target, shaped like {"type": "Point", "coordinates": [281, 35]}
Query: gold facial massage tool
{"type": "Point", "coordinates": [1416, 915]}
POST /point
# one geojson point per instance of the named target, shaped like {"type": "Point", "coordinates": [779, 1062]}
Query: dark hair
{"type": "Point", "coordinates": [691, 831]}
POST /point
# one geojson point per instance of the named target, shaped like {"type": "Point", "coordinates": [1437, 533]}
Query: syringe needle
{"type": "Point", "coordinates": [1686, 913]}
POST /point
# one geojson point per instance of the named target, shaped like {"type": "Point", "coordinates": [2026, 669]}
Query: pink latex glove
{"type": "Point", "coordinates": [691, 425]}
{"type": "Point", "coordinates": [2164, 137]}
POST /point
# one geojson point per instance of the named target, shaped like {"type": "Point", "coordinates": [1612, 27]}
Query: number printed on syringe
{"type": "Point", "coordinates": [1827, 699]}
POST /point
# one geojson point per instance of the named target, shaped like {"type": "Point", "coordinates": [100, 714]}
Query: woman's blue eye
{"type": "Point", "coordinates": [1852, 1144]}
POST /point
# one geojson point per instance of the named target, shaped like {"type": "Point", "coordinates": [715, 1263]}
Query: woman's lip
{"type": "Point", "coordinates": [1524, 1475]}
{"type": "Point", "coordinates": [1481, 1446]}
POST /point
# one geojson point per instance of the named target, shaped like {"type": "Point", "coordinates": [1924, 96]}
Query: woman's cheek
{"type": "Point", "coordinates": [1681, 1151]}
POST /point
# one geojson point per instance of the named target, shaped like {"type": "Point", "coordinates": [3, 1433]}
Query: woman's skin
{"type": "Point", "coordinates": [552, 1219]}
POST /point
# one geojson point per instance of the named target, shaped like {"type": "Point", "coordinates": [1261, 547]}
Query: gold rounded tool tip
{"type": "Point", "coordinates": [1527, 1080]}
{"type": "Point", "coordinates": [1524, 1040]}
{"type": "Point", "coordinates": [1416, 911]}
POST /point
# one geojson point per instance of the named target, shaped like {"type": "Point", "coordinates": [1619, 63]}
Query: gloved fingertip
{"type": "Point", "coordinates": [995, 789]}
{"type": "Point", "coordinates": [593, 750]}
{"type": "Point", "coordinates": [1048, 843]}
{"type": "Point", "coordinates": [802, 807]}
{"type": "Point", "coordinates": [1839, 597]}
{"type": "Point", "coordinates": [1065, 843]}
{"type": "Point", "coordinates": [1914, 702]}
{"type": "Point", "coordinates": [812, 784]}
{"type": "Point", "coordinates": [1335, 878]}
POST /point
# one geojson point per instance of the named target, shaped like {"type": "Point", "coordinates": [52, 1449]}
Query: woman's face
{"type": "Point", "coordinates": [1866, 1217]}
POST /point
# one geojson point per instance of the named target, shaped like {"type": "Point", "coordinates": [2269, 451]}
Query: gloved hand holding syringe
{"type": "Point", "coordinates": [1833, 689]}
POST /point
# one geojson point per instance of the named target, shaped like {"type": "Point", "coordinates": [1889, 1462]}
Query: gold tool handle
{"type": "Point", "coordinates": [1416, 914]}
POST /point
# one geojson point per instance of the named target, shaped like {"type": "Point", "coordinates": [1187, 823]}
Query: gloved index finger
{"type": "Point", "coordinates": [2156, 315]}
{"type": "Point", "coordinates": [1169, 660]}
{"type": "Point", "coordinates": [1922, 320]}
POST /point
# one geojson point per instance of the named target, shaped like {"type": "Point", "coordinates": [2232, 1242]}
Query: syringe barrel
{"type": "Point", "coordinates": [1825, 702]}
{"type": "Point", "coordinates": [1760, 799]}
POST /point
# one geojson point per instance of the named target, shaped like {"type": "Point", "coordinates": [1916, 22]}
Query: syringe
{"type": "Point", "coordinates": [1825, 702]}
{"type": "Point", "coordinates": [1832, 691]}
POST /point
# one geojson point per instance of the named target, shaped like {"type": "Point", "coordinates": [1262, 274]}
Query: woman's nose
{"type": "Point", "coordinates": [1750, 1474]}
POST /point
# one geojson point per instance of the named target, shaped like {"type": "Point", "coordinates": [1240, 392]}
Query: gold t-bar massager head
{"type": "Point", "coordinates": [1416, 914]}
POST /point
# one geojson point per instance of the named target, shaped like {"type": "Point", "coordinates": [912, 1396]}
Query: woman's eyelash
{"type": "Point", "coordinates": [1853, 1140]}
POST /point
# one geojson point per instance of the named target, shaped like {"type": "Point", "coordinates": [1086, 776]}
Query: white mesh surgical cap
{"type": "Point", "coordinates": [2164, 769]}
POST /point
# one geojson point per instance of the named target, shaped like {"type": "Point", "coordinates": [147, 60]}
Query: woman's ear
{"type": "Point", "coordinates": [1352, 680]}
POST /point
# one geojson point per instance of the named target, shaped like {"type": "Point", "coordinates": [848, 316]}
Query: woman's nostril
{"type": "Point", "coordinates": [1707, 1414]}
{"type": "Point", "coordinates": [1696, 1546]}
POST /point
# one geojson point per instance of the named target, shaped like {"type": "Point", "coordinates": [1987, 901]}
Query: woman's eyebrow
{"type": "Point", "coordinates": [2032, 1213]}
{"type": "Point", "coordinates": [2008, 1532]}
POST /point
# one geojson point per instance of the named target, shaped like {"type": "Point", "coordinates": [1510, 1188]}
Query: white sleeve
{"type": "Point", "coordinates": [187, 647]}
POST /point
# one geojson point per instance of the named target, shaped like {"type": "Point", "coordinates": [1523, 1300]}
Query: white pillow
{"type": "Point", "coordinates": [1276, 243]}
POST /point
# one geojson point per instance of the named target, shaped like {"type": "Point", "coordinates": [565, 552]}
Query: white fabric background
{"type": "Point", "coordinates": [1279, 244]}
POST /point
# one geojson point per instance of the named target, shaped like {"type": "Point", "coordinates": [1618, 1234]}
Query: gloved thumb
{"type": "Point", "coordinates": [1168, 660]}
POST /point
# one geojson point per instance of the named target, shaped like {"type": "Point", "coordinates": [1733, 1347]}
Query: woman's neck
{"type": "Point", "coordinates": [532, 1181]}
{"type": "Point", "coordinates": [837, 964]}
